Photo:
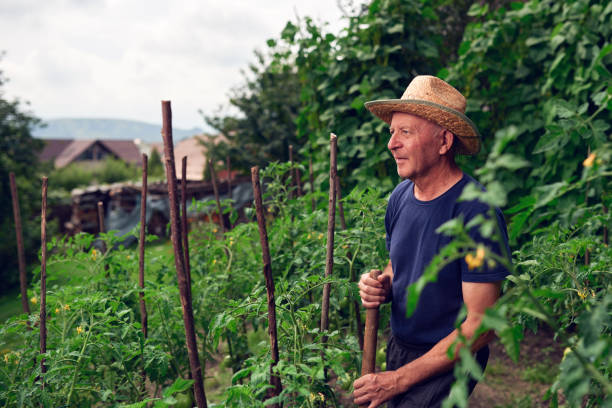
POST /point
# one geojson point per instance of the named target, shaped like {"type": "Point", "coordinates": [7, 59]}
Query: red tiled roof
{"type": "Point", "coordinates": [126, 150]}
{"type": "Point", "coordinates": [53, 148]}
{"type": "Point", "coordinates": [72, 151]}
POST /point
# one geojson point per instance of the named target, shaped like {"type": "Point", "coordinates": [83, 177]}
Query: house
{"type": "Point", "coordinates": [63, 152]}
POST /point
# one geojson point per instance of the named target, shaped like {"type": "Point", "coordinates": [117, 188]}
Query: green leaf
{"type": "Point", "coordinates": [464, 47]}
{"type": "Point", "coordinates": [396, 29]}
{"type": "Point", "coordinates": [179, 385]}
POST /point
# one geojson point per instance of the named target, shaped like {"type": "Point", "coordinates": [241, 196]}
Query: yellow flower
{"type": "Point", "coordinates": [566, 352]}
{"type": "Point", "coordinates": [309, 236]}
{"type": "Point", "coordinates": [129, 257]}
{"type": "Point", "coordinates": [214, 261]}
{"type": "Point", "coordinates": [475, 261]}
{"type": "Point", "coordinates": [79, 330]}
{"type": "Point", "coordinates": [94, 254]}
{"type": "Point", "coordinates": [582, 293]}
{"type": "Point", "coordinates": [588, 162]}
{"type": "Point", "coordinates": [6, 357]}
{"type": "Point", "coordinates": [66, 307]}
{"type": "Point", "coordinates": [57, 310]}
{"type": "Point", "coordinates": [215, 230]}
{"type": "Point", "coordinates": [320, 236]}
{"type": "Point", "coordinates": [34, 300]}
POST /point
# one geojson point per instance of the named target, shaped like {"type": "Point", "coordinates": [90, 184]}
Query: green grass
{"type": "Point", "coordinates": [63, 273]}
{"type": "Point", "coordinates": [543, 373]}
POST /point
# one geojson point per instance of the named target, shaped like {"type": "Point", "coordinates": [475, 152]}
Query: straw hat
{"type": "Point", "coordinates": [435, 100]}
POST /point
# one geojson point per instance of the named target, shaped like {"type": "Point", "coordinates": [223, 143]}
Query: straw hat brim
{"type": "Point", "coordinates": [448, 118]}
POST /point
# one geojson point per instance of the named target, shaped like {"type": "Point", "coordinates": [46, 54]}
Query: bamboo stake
{"type": "Point", "coordinates": [213, 177]}
{"type": "Point", "coordinates": [184, 226]}
{"type": "Point", "coordinates": [43, 279]}
{"type": "Point", "coordinates": [313, 203]}
{"type": "Point", "coordinates": [190, 335]}
{"type": "Point", "coordinates": [267, 271]}
{"type": "Point", "coordinates": [331, 220]}
{"type": "Point", "coordinates": [20, 252]}
{"type": "Point", "coordinates": [368, 363]}
{"type": "Point", "coordinates": [141, 258]}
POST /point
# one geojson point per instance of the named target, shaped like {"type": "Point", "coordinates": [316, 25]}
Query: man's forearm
{"type": "Point", "coordinates": [436, 360]}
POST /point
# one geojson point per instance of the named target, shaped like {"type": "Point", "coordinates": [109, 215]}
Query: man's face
{"type": "Point", "coordinates": [415, 145]}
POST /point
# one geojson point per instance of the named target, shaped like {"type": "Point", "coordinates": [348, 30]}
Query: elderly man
{"type": "Point", "coordinates": [428, 128]}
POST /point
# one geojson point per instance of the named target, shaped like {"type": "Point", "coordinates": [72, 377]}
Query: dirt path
{"type": "Point", "coordinates": [522, 384]}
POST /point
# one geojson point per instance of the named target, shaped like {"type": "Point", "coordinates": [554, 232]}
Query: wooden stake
{"type": "Point", "coordinates": [190, 335]}
{"type": "Point", "coordinates": [229, 185]}
{"type": "Point", "coordinates": [267, 271]}
{"type": "Point", "coordinates": [43, 279]}
{"type": "Point", "coordinates": [368, 364]}
{"type": "Point", "coordinates": [141, 246]}
{"type": "Point", "coordinates": [141, 261]}
{"type": "Point", "coordinates": [331, 221]}
{"type": "Point", "coordinates": [101, 229]}
{"type": "Point", "coordinates": [605, 228]}
{"type": "Point", "coordinates": [229, 176]}
{"type": "Point", "coordinates": [292, 192]}
{"type": "Point", "coordinates": [310, 175]}
{"type": "Point", "coordinates": [213, 177]}
{"type": "Point", "coordinates": [23, 282]}
{"type": "Point", "coordinates": [184, 226]}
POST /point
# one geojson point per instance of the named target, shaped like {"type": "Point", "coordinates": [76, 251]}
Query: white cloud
{"type": "Point", "coordinates": [95, 58]}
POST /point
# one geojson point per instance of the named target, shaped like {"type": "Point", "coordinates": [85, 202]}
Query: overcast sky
{"type": "Point", "coordinates": [120, 58]}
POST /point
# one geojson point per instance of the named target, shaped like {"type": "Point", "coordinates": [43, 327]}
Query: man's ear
{"type": "Point", "coordinates": [447, 140]}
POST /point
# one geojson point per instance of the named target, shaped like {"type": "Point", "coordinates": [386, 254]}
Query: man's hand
{"type": "Point", "coordinates": [375, 388]}
{"type": "Point", "coordinates": [374, 292]}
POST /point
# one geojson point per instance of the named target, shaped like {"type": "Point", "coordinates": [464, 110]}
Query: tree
{"type": "Point", "coordinates": [155, 166]}
{"type": "Point", "coordinates": [18, 154]}
{"type": "Point", "coordinates": [268, 104]}
{"type": "Point", "coordinates": [313, 82]}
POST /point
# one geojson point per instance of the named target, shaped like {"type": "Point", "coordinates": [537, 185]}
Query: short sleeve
{"type": "Point", "coordinates": [388, 217]}
{"type": "Point", "coordinates": [486, 272]}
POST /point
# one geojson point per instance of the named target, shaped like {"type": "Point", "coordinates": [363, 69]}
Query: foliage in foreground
{"type": "Point", "coordinates": [96, 351]}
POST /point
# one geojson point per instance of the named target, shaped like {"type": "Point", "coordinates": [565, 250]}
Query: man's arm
{"type": "Point", "coordinates": [374, 292]}
{"type": "Point", "coordinates": [380, 387]}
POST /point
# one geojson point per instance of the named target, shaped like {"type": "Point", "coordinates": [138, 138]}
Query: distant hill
{"type": "Point", "coordinates": [107, 129]}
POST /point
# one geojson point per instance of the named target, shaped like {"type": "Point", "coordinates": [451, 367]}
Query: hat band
{"type": "Point", "coordinates": [432, 104]}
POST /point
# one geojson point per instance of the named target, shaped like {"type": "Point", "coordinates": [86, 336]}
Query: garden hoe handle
{"type": "Point", "coordinates": [369, 336]}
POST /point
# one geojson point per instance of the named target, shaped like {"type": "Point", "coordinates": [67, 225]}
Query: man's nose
{"type": "Point", "coordinates": [393, 142]}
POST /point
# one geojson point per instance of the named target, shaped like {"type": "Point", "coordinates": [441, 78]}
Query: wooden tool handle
{"type": "Point", "coordinates": [370, 335]}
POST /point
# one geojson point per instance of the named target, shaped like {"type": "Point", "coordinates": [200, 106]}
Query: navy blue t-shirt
{"type": "Point", "coordinates": [412, 243]}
